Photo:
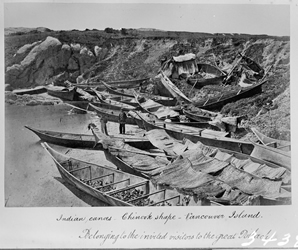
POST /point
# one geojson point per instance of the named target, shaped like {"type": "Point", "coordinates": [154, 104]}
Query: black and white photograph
{"type": "Point", "coordinates": [149, 124]}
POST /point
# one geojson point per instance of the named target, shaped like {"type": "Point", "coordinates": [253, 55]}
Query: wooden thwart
{"type": "Point", "coordinates": [171, 198]}
{"type": "Point", "coordinates": [127, 188]}
{"type": "Point", "coordinates": [147, 195]}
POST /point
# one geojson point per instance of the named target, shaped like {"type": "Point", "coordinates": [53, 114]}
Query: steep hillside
{"type": "Point", "coordinates": [41, 56]}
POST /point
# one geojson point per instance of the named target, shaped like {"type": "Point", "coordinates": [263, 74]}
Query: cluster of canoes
{"type": "Point", "coordinates": [173, 162]}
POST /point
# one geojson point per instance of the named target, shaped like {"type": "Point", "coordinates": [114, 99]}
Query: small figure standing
{"type": "Point", "coordinates": [122, 120]}
{"type": "Point", "coordinates": [103, 123]}
{"type": "Point", "coordinates": [167, 120]}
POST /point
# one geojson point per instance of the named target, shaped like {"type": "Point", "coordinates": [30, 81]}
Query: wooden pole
{"type": "Point", "coordinates": [237, 62]}
{"type": "Point", "coordinates": [193, 86]}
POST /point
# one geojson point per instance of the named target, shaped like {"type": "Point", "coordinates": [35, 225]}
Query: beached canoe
{"type": "Point", "coordinates": [271, 142]}
{"type": "Point", "coordinates": [121, 84]}
{"type": "Point", "coordinates": [255, 166]}
{"type": "Point", "coordinates": [124, 99]}
{"type": "Point", "coordinates": [69, 94]}
{"type": "Point", "coordinates": [178, 132]}
{"type": "Point", "coordinates": [167, 101]}
{"type": "Point", "coordinates": [173, 89]}
{"type": "Point", "coordinates": [85, 141]}
{"type": "Point", "coordinates": [207, 75]}
{"type": "Point", "coordinates": [270, 154]}
{"type": "Point", "coordinates": [111, 115]}
{"type": "Point", "coordinates": [217, 103]}
{"type": "Point", "coordinates": [117, 91]}
{"type": "Point", "coordinates": [197, 184]}
{"type": "Point", "coordinates": [197, 116]}
{"type": "Point", "coordinates": [33, 91]}
{"type": "Point", "coordinates": [160, 111]}
{"type": "Point", "coordinates": [113, 104]}
{"type": "Point", "coordinates": [85, 105]}
{"type": "Point", "coordinates": [207, 137]}
{"type": "Point", "coordinates": [212, 178]}
{"type": "Point", "coordinates": [115, 188]}
{"type": "Point", "coordinates": [134, 83]}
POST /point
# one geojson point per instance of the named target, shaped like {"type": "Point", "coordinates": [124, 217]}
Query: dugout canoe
{"type": "Point", "coordinates": [197, 190]}
{"type": "Point", "coordinates": [117, 91]}
{"type": "Point", "coordinates": [124, 99]}
{"type": "Point", "coordinates": [111, 115]}
{"type": "Point", "coordinates": [134, 83]}
{"type": "Point", "coordinates": [121, 84]}
{"type": "Point", "coordinates": [255, 166]}
{"type": "Point", "coordinates": [32, 91]}
{"type": "Point", "coordinates": [195, 134]}
{"type": "Point", "coordinates": [270, 154]}
{"type": "Point", "coordinates": [158, 110]}
{"type": "Point", "coordinates": [183, 174]}
{"type": "Point", "coordinates": [271, 142]}
{"type": "Point", "coordinates": [68, 94]}
{"type": "Point", "coordinates": [199, 117]}
{"type": "Point", "coordinates": [147, 105]}
{"type": "Point", "coordinates": [85, 105]}
{"type": "Point", "coordinates": [158, 113]}
{"type": "Point", "coordinates": [265, 153]}
{"type": "Point", "coordinates": [201, 80]}
{"type": "Point", "coordinates": [167, 101]}
{"type": "Point", "coordinates": [163, 100]}
{"type": "Point", "coordinates": [113, 187]}
{"type": "Point", "coordinates": [218, 102]}
{"type": "Point", "coordinates": [85, 141]}
{"type": "Point", "coordinates": [113, 104]}
{"type": "Point", "coordinates": [172, 89]}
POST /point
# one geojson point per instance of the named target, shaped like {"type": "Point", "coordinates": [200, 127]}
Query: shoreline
{"type": "Point", "coordinates": [31, 177]}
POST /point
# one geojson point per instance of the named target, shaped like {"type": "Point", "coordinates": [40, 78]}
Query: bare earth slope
{"type": "Point", "coordinates": [37, 57]}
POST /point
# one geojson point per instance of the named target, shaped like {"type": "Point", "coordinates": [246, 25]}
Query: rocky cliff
{"type": "Point", "coordinates": [38, 58]}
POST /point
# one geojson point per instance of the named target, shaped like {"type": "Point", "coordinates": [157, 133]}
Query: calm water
{"type": "Point", "coordinates": [31, 177]}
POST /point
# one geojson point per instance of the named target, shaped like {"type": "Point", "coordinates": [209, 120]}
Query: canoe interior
{"type": "Point", "coordinates": [271, 142]}
{"type": "Point", "coordinates": [273, 155]}
{"type": "Point", "coordinates": [112, 186]}
{"type": "Point", "coordinates": [216, 103]}
{"type": "Point", "coordinates": [194, 134]}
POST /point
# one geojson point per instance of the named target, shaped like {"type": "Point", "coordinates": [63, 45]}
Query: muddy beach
{"type": "Point", "coordinates": [31, 177]}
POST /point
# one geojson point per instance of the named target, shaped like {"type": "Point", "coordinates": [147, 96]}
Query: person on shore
{"type": "Point", "coordinates": [167, 120]}
{"type": "Point", "coordinates": [122, 120]}
{"type": "Point", "coordinates": [103, 123]}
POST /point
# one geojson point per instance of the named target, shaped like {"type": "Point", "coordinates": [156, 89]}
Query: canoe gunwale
{"type": "Point", "coordinates": [220, 103]}
{"type": "Point", "coordinates": [234, 145]}
{"type": "Point", "coordinates": [66, 174]}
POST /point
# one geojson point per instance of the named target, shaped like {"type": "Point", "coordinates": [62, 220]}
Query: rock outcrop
{"type": "Point", "coordinates": [40, 62]}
